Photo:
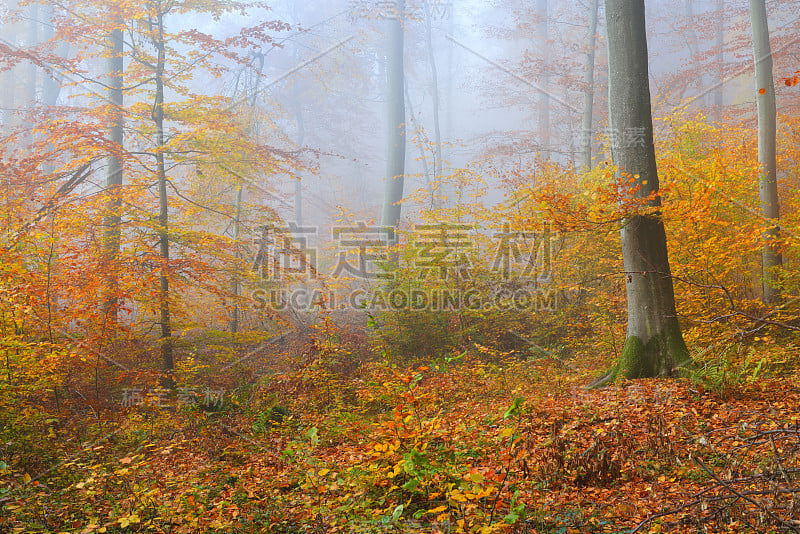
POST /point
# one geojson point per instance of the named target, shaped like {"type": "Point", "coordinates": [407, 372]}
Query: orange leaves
{"type": "Point", "coordinates": [792, 81]}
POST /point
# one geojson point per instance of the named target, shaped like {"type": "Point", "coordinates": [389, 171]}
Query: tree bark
{"type": "Point", "coordinates": [719, 93]}
{"type": "Point", "coordinates": [588, 94]}
{"type": "Point", "coordinates": [396, 135]}
{"type": "Point", "coordinates": [544, 97]}
{"type": "Point", "coordinates": [437, 134]}
{"type": "Point", "coordinates": [114, 171]}
{"type": "Point", "coordinates": [163, 201]}
{"type": "Point", "coordinates": [654, 344]}
{"type": "Point", "coordinates": [10, 114]}
{"type": "Point", "coordinates": [33, 40]}
{"type": "Point", "coordinates": [51, 82]}
{"type": "Point", "coordinates": [298, 182]}
{"type": "Point", "coordinates": [233, 322]}
{"type": "Point", "coordinates": [767, 131]}
{"type": "Point", "coordinates": [694, 45]}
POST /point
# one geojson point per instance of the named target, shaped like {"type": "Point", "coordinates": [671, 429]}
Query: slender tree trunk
{"type": "Point", "coordinates": [719, 90]}
{"type": "Point", "coordinates": [588, 94]}
{"type": "Point", "coordinates": [10, 115]}
{"type": "Point", "coordinates": [446, 190]}
{"type": "Point", "coordinates": [233, 322]}
{"type": "Point", "coordinates": [114, 171]}
{"type": "Point", "coordinates": [437, 133]}
{"type": "Point", "coordinates": [33, 40]}
{"type": "Point", "coordinates": [301, 130]}
{"type": "Point", "coordinates": [163, 203]}
{"type": "Point", "coordinates": [544, 96]}
{"type": "Point", "coordinates": [422, 155]}
{"type": "Point", "coordinates": [767, 131]}
{"type": "Point", "coordinates": [654, 344]}
{"type": "Point", "coordinates": [298, 183]}
{"type": "Point", "coordinates": [396, 136]}
{"type": "Point", "coordinates": [694, 44]}
{"type": "Point", "coordinates": [51, 82]}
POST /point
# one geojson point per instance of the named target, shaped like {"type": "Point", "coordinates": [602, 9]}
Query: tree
{"type": "Point", "coordinates": [654, 344]}
{"type": "Point", "coordinates": [588, 80]}
{"type": "Point", "coordinates": [767, 131]}
{"type": "Point", "coordinates": [155, 24]}
{"type": "Point", "coordinates": [114, 168]}
{"type": "Point", "coordinates": [720, 58]}
{"type": "Point", "coordinates": [396, 114]}
{"type": "Point", "coordinates": [544, 96]}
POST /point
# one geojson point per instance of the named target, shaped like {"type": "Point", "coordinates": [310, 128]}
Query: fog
{"type": "Point", "coordinates": [308, 84]}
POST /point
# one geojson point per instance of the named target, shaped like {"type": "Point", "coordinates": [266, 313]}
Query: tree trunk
{"type": "Point", "coordinates": [9, 78]}
{"type": "Point", "coordinates": [233, 322]}
{"type": "Point", "coordinates": [544, 97]}
{"type": "Point", "coordinates": [437, 134]}
{"type": "Point", "coordinates": [114, 170]}
{"type": "Point", "coordinates": [298, 183]}
{"type": "Point", "coordinates": [654, 344]}
{"type": "Point", "coordinates": [163, 204]}
{"type": "Point", "coordinates": [51, 82]}
{"type": "Point", "coordinates": [767, 130]}
{"type": "Point", "coordinates": [422, 155]}
{"type": "Point", "coordinates": [719, 93]}
{"type": "Point", "coordinates": [588, 94]}
{"type": "Point", "coordinates": [445, 189]}
{"type": "Point", "coordinates": [33, 40]}
{"type": "Point", "coordinates": [694, 45]}
{"type": "Point", "coordinates": [396, 136]}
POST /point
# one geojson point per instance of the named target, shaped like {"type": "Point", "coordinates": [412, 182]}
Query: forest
{"type": "Point", "coordinates": [406, 266]}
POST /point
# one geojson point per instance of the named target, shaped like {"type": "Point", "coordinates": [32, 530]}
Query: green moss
{"type": "Point", "coordinates": [662, 355]}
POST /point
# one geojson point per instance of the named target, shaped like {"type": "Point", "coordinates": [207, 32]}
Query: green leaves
{"type": "Point", "coordinates": [515, 409]}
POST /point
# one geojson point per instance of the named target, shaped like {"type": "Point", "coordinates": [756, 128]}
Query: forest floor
{"type": "Point", "coordinates": [477, 443]}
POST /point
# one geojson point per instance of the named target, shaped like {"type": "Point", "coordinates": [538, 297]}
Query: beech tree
{"type": "Point", "coordinates": [588, 80]}
{"type": "Point", "coordinates": [654, 344]}
{"type": "Point", "coordinates": [767, 130]}
{"type": "Point", "coordinates": [396, 115]}
{"type": "Point", "coordinates": [114, 168]}
{"type": "Point", "coordinates": [544, 97]}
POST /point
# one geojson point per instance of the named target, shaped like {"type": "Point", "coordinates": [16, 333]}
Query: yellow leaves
{"type": "Point", "coordinates": [84, 483]}
{"type": "Point", "coordinates": [475, 477]}
{"type": "Point", "coordinates": [457, 496]}
{"type": "Point", "coordinates": [129, 520]}
{"type": "Point", "coordinates": [506, 432]}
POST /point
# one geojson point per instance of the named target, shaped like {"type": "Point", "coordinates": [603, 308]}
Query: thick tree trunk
{"type": "Point", "coordinates": [163, 201]}
{"type": "Point", "coordinates": [588, 94]}
{"type": "Point", "coordinates": [544, 96]}
{"type": "Point", "coordinates": [767, 129]}
{"type": "Point", "coordinates": [396, 135]}
{"type": "Point", "coordinates": [114, 170]}
{"type": "Point", "coordinates": [654, 344]}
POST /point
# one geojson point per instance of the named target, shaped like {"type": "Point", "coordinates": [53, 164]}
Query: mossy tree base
{"type": "Point", "coordinates": [663, 355]}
